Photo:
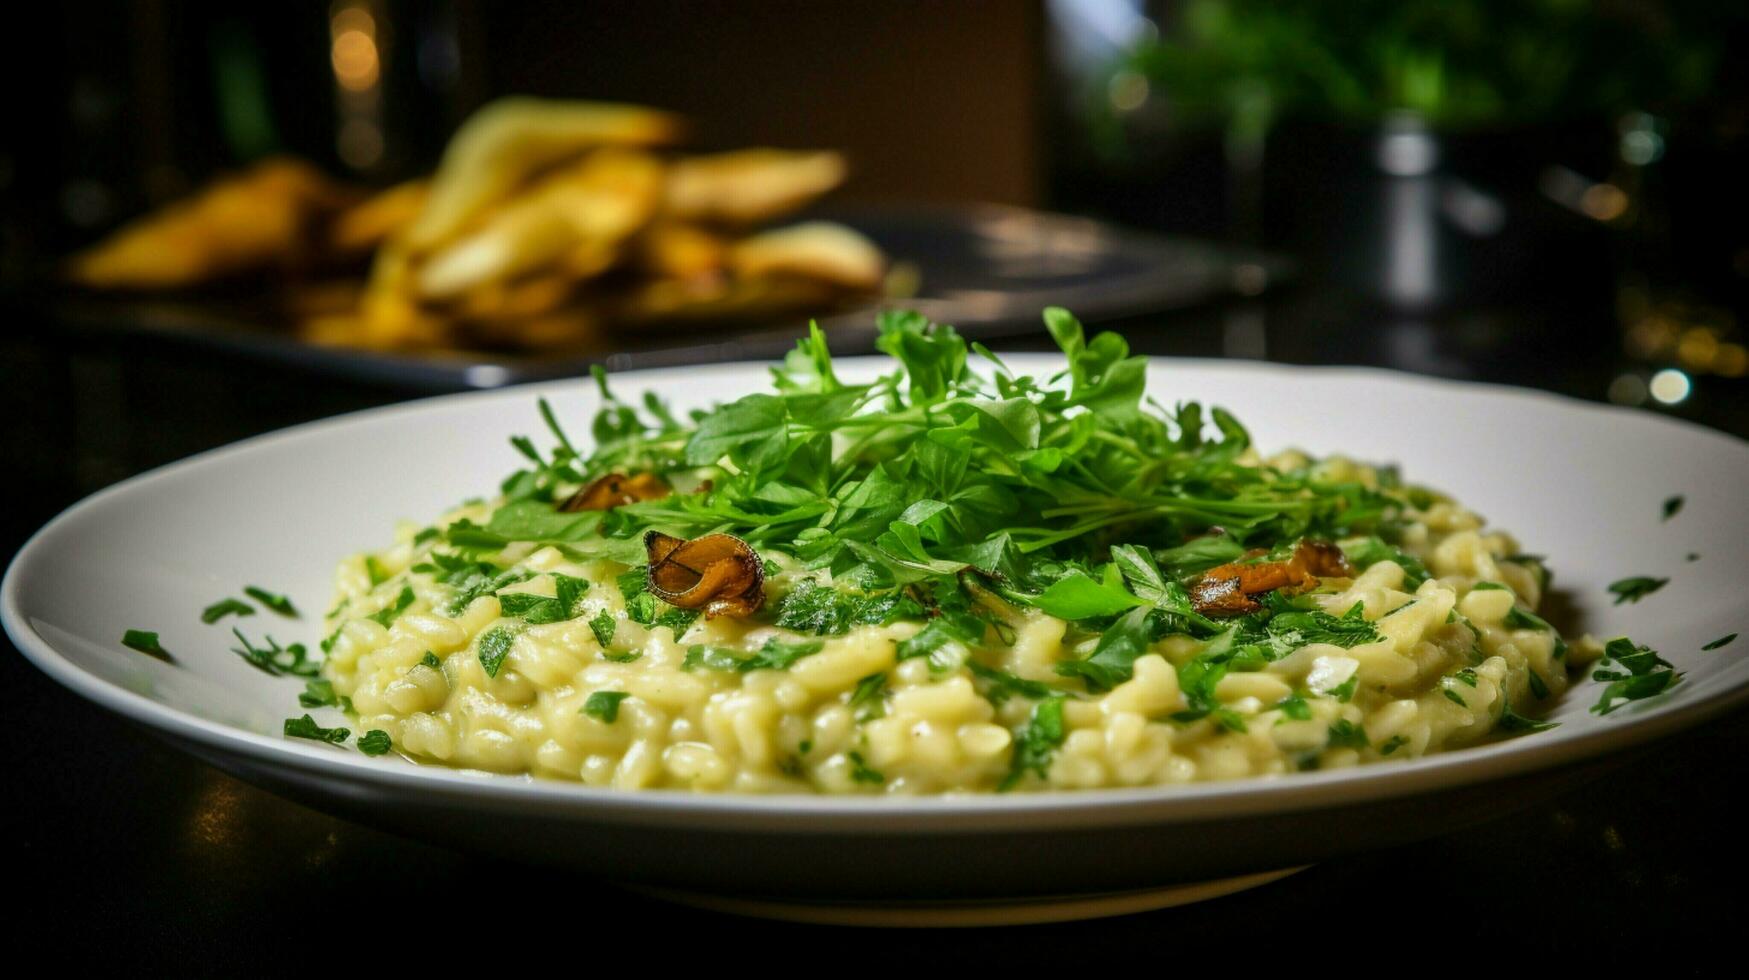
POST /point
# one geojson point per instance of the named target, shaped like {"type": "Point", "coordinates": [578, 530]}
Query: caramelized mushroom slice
{"type": "Point", "coordinates": [718, 573]}
{"type": "Point", "coordinates": [617, 490]}
{"type": "Point", "coordinates": [1226, 590]}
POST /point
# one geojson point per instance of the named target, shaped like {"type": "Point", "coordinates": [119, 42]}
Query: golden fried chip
{"type": "Point", "coordinates": [748, 186]}
{"type": "Point", "coordinates": [503, 144]}
{"type": "Point", "coordinates": [599, 201]}
{"type": "Point", "coordinates": [670, 250]}
{"type": "Point", "coordinates": [814, 250]}
{"type": "Point", "coordinates": [368, 224]}
{"type": "Point", "coordinates": [262, 218]}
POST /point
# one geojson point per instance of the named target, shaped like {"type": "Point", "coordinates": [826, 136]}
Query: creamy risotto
{"type": "Point", "coordinates": [1337, 617]}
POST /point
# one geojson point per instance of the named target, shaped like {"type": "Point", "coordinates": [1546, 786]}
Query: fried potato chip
{"type": "Point", "coordinates": [366, 225]}
{"type": "Point", "coordinates": [680, 302]}
{"type": "Point", "coordinates": [670, 250]}
{"type": "Point", "coordinates": [262, 218]}
{"type": "Point", "coordinates": [601, 199]}
{"type": "Point", "coordinates": [749, 186]}
{"type": "Point", "coordinates": [813, 250]}
{"type": "Point", "coordinates": [508, 141]}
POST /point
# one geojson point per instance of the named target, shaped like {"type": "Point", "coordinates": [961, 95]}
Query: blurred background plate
{"type": "Point", "coordinates": [988, 269]}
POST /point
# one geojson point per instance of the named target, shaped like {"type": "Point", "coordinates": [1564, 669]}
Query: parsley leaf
{"type": "Point", "coordinates": [1634, 673]}
{"type": "Point", "coordinates": [1036, 742]}
{"type": "Point", "coordinates": [272, 600]}
{"type": "Point", "coordinates": [494, 647]}
{"type": "Point", "coordinates": [146, 642]}
{"type": "Point", "coordinates": [1720, 642]}
{"type": "Point", "coordinates": [225, 607]}
{"type": "Point", "coordinates": [375, 742]}
{"type": "Point", "coordinates": [306, 727]}
{"type": "Point", "coordinates": [1672, 506]}
{"type": "Point", "coordinates": [1635, 588]}
{"type": "Point", "coordinates": [274, 659]}
{"type": "Point", "coordinates": [604, 705]}
{"type": "Point", "coordinates": [774, 654]}
{"type": "Point", "coordinates": [860, 771]}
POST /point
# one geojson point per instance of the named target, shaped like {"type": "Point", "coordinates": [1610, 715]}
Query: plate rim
{"type": "Point", "coordinates": [1040, 811]}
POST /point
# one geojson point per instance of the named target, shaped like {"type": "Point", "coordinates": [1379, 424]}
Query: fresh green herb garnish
{"type": "Point", "coordinates": [1294, 707]}
{"type": "Point", "coordinates": [604, 705]}
{"type": "Point", "coordinates": [274, 659]}
{"type": "Point", "coordinates": [146, 642]}
{"type": "Point", "coordinates": [860, 771]}
{"type": "Point", "coordinates": [375, 742]}
{"type": "Point", "coordinates": [1538, 687]}
{"type": "Point", "coordinates": [1636, 588]}
{"type": "Point", "coordinates": [306, 727]}
{"type": "Point", "coordinates": [225, 607]}
{"type": "Point", "coordinates": [535, 610]}
{"type": "Point", "coordinates": [999, 686]}
{"type": "Point", "coordinates": [1512, 721]}
{"type": "Point", "coordinates": [603, 626]}
{"type": "Point", "coordinates": [868, 700]}
{"type": "Point", "coordinates": [1036, 742]}
{"type": "Point", "coordinates": [430, 660]}
{"type": "Point", "coordinates": [1346, 734]}
{"type": "Point", "coordinates": [319, 694]}
{"type": "Point", "coordinates": [1634, 673]}
{"type": "Point", "coordinates": [494, 647]}
{"type": "Point", "coordinates": [1720, 642]}
{"type": "Point", "coordinates": [1672, 506]}
{"type": "Point", "coordinates": [1344, 691]}
{"type": "Point", "coordinates": [391, 612]}
{"type": "Point", "coordinates": [1393, 743]}
{"type": "Point", "coordinates": [272, 600]}
{"type": "Point", "coordinates": [774, 654]}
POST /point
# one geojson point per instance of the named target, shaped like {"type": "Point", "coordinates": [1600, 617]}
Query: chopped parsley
{"type": "Point", "coordinates": [1393, 743]}
{"type": "Point", "coordinates": [1672, 506]}
{"type": "Point", "coordinates": [860, 771]}
{"type": "Point", "coordinates": [1294, 708]}
{"type": "Point", "coordinates": [536, 610]}
{"type": "Point", "coordinates": [868, 700]}
{"type": "Point", "coordinates": [272, 600]}
{"type": "Point", "coordinates": [1635, 588]}
{"type": "Point", "coordinates": [1720, 642]}
{"type": "Point", "coordinates": [146, 642]}
{"type": "Point", "coordinates": [375, 742]}
{"type": "Point", "coordinates": [391, 612]}
{"type": "Point", "coordinates": [603, 706]}
{"type": "Point", "coordinates": [998, 686]}
{"type": "Point", "coordinates": [306, 727]}
{"type": "Point", "coordinates": [273, 659]}
{"type": "Point", "coordinates": [319, 693]}
{"type": "Point", "coordinates": [494, 647]}
{"type": "Point", "coordinates": [774, 654]}
{"type": "Point", "coordinates": [603, 626]}
{"type": "Point", "coordinates": [1512, 721]}
{"type": "Point", "coordinates": [1036, 742]}
{"type": "Point", "coordinates": [225, 607]}
{"type": "Point", "coordinates": [1345, 734]}
{"type": "Point", "coordinates": [430, 660]}
{"type": "Point", "coordinates": [1633, 673]}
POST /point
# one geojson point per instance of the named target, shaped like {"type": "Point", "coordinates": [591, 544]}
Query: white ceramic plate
{"type": "Point", "coordinates": [1582, 484]}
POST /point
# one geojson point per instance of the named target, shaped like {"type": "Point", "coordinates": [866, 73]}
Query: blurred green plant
{"type": "Point", "coordinates": [1244, 64]}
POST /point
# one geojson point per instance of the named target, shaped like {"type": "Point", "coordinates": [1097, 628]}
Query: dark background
{"type": "Point", "coordinates": [128, 849]}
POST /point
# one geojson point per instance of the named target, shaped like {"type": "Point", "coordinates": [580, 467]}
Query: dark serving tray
{"type": "Point", "coordinates": [987, 269]}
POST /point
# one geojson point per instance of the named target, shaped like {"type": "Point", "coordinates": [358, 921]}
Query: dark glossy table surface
{"type": "Point", "coordinates": [124, 849]}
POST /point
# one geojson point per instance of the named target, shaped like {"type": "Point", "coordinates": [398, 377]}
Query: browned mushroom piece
{"type": "Point", "coordinates": [1227, 590]}
{"type": "Point", "coordinates": [718, 573]}
{"type": "Point", "coordinates": [617, 490]}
